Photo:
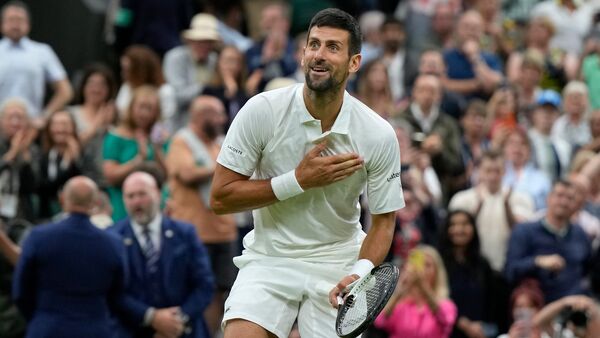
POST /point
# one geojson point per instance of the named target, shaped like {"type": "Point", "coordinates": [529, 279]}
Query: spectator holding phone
{"type": "Point", "coordinates": [525, 301]}
{"type": "Point", "coordinates": [420, 306]}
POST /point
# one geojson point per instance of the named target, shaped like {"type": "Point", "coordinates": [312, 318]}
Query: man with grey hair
{"type": "Point", "coordinates": [573, 126]}
{"type": "Point", "coordinates": [69, 273]}
{"type": "Point", "coordinates": [171, 283]}
{"type": "Point", "coordinates": [27, 66]}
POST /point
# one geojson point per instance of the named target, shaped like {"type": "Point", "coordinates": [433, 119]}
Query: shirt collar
{"type": "Point", "coordinates": [554, 230]}
{"type": "Point", "coordinates": [426, 122]}
{"type": "Point", "coordinates": [22, 43]}
{"type": "Point", "coordinates": [342, 121]}
{"type": "Point", "coordinates": [153, 226]}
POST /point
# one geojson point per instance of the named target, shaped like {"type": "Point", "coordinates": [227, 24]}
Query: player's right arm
{"type": "Point", "coordinates": [234, 192]}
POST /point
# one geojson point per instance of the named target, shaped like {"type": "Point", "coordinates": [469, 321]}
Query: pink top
{"type": "Point", "coordinates": [410, 320]}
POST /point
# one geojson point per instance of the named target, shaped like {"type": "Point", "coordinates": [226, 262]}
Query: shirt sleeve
{"type": "Point", "coordinates": [53, 69]}
{"type": "Point", "coordinates": [383, 175]}
{"type": "Point", "coordinates": [446, 316]}
{"type": "Point", "coordinates": [110, 148]}
{"type": "Point", "coordinates": [247, 137]}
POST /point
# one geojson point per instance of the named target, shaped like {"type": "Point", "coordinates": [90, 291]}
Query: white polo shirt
{"type": "Point", "coordinates": [270, 136]}
{"type": "Point", "coordinates": [25, 68]}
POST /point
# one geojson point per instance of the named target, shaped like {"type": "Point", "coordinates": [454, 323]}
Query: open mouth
{"type": "Point", "coordinates": [319, 70]}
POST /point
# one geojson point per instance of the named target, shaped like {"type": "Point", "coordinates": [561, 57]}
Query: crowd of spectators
{"type": "Point", "coordinates": [495, 104]}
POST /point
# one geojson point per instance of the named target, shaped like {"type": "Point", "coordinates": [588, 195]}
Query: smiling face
{"type": "Point", "coordinates": [461, 230]}
{"type": "Point", "coordinates": [61, 128]}
{"type": "Point", "coordinates": [96, 90]}
{"type": "Point", "coordinates": [14, 119]}
{"type": "Point", "coordinates": [145, 110]}
{"type": "Point", "coordinates": [231, 60]}
{"type": "Point", "coordinates": [326, 62]}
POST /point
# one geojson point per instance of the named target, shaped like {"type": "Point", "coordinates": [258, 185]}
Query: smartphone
{"type": "Point", "coordinates": [417, 259]}
{"type": "Point", "coordinates": [525, 316]}
{"type": "Point", "coordinates": [417, 139]}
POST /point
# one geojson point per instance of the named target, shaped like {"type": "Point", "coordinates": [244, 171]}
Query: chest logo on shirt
{"type": "Point", "coordinates": [393, 175]}
{"type": "Point", "coordinates": [235, 150]}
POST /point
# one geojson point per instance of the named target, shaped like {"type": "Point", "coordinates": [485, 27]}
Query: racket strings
{"type": "Point", "coordinates": [365, 302]}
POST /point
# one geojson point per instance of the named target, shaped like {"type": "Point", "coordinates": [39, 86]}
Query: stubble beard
{"type": "Point", "coordinates": [324, 86]}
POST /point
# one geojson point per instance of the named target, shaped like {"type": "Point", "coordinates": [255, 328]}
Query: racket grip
{"type": "Point", "coordinates": [340, 301]}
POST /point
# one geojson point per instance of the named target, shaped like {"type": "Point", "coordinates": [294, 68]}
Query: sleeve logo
{"type": "Point", "coordinates": [235, 150]}
{"type": "Point", "coordinates": [393, 176]}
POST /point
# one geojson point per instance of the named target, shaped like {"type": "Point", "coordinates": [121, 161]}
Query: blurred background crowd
{"type": "Point", "coordinates": [495, 103]}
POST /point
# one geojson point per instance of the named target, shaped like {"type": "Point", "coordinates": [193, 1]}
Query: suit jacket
{"type": "Point", "coordinates": [67, 277]}
{"type": "Point", "coordinates": [186, 279]}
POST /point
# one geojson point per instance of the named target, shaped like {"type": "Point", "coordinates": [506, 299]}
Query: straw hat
{"type": "Point", "coordinates": [203, 27]}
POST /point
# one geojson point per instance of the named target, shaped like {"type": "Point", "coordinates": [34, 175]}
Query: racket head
{"type": "Point", "coordinates": [366, 300]}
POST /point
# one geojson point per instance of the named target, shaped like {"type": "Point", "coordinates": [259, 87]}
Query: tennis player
{"type": "Point", "coordinates": [300, 156]}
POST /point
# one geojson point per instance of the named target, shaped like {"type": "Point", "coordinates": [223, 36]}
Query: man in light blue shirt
{"type": "Point", "coordinates": [26, 66]}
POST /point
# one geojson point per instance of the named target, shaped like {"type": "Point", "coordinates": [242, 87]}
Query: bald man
{"type": "Point", "coordinates": [170, 279]}
{"type": "Point", "coordinates": [191, 163]}
{"type": "Point", "coordinates": [70, 272]}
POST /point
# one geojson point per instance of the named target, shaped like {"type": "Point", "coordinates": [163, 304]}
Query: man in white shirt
{"type": "Point", "coordinates": [26, 66]}
{"type": "Point", "coordinates": [496, 209]}
{"type": "Point", "coordinates": [301, 156]}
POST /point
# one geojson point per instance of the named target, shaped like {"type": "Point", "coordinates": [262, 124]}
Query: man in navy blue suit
{"type": "Point", "coordinates": [171, 282]}
{"type": "Point", "coordinates": [70, 273]}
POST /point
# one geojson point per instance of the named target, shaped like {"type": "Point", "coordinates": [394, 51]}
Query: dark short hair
{"type": "Point", "coordinates": [491, 154]}
{"type": "Point", "coordinates": [562, 182]}
{"type": "Point", "coordinates": [391, 21]}
{"type": "Point", "coordinates": [336, 18]}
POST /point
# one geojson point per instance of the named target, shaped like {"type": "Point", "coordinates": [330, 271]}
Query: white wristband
{"type": "Point", "coordinates": [362, 267]}
{"type": "Point", "coordinates": [286, 186]}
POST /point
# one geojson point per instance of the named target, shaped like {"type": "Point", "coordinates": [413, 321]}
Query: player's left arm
{"type": "Point", "coordinates": [376, 245]}
{"type": "Point", "coordinates": [372, 252]}
{"type": "Point", "coordinates": [385, 197]}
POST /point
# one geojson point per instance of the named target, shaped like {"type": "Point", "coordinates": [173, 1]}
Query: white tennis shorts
{"type": "Point", "coordinates": [273, 291]}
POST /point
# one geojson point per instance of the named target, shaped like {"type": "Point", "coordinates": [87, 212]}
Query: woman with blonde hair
{"type": "Point", "coordinates": [133, 145]}
{"type": "Point", "coordinates": [420, 306]}
{"type": "Point", "coordinates": [140, 66]}
{"type": "Point", "coordinates": [374, 90]}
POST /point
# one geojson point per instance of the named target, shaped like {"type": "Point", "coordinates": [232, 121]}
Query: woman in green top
{"type": "Point", "coordinates": [129, 147]}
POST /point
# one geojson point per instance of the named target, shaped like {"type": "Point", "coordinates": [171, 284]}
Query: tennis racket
{"type": "Point", "coordinates": [365, 300]}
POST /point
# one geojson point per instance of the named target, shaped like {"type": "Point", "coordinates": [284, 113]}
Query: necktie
{"type": "Point", "coordinates": [150, 251]}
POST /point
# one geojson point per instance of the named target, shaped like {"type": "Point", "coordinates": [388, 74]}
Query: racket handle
{"type": "Point", "coordinates": [340, 301]}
